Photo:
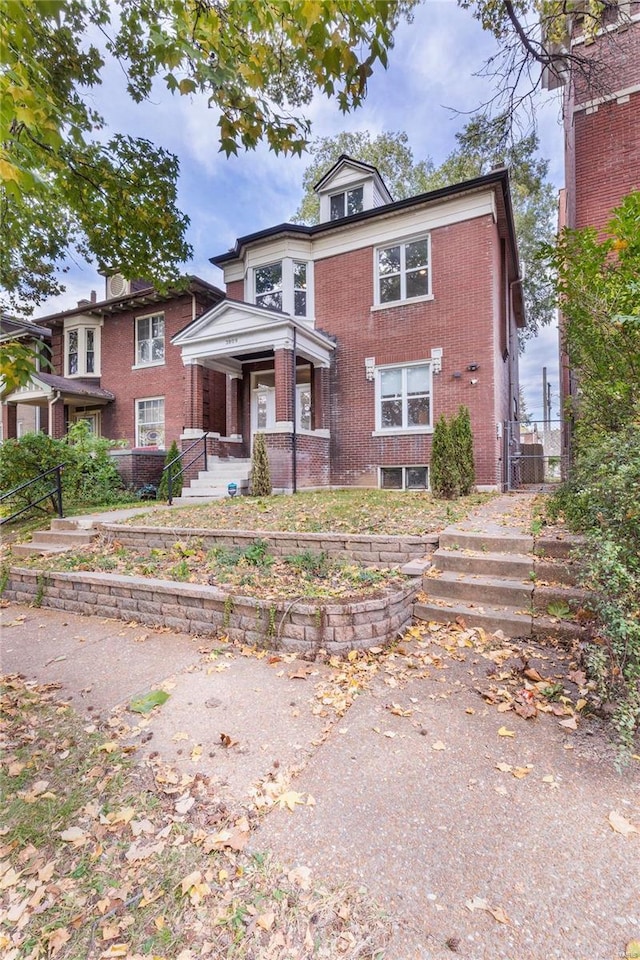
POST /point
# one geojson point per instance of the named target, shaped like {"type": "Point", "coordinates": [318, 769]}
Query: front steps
{"type": "Point", "coordinates": [213, 483]}
{"type": "Point", "coordinates": [62, 537]}
{"type": "Point", "coordinates": [497, 582]}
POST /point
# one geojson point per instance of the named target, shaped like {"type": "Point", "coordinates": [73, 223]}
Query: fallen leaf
{"type": "Point", "coordinates": [115, 950]}
{"type": "Point", "coordinates": [57, 939]}
{"type": "Point", "coordinates": [301, 877]}
{"type": "Point", "coordinates": [150, 700]}
{"type": "Point", "coordinates": [621, 825]}
{"type": "Point", "coordinates": [196, 753]}
{"type": "Point", "coordinates": [180, 736]}
{"type": "Point", "coordinates": [438, 745]}
{"type": "Point", "coordinates": [503, 732]}
{"type": "Point", "coordinates": [569, 724]}
{"type": "Point", "coordinates": [226, 741]}
{"type": "Point", "coordinates": [632, 950]}
{"type": "Point", "coordinates": [504, 767]}
{"type": "Point", "coordinates": [74, 835]}
{"type": "Point", "coordinates": [289, 800]}
{"type": "Point", "coordinates": [265, 920]}
{"type": "Point", "coordinates": [498, 914]}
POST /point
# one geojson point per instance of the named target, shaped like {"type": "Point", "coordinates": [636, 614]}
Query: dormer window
{"type": "Point", "coordinates": [347, 203]}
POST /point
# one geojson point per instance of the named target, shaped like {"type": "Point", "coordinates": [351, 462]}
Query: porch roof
{"type": "Point", "coordinates": [43, 386]}
{"type": "Point", "coordinates": [234, 332]}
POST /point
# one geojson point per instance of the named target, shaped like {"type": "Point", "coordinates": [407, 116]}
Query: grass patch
{"type": "Point", "coordinates": [100, 857]}
{"type": "Point", "coordinates": [382, 512]}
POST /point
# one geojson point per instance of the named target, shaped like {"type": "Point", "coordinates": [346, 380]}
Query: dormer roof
{"type": "Point", "coordinates": [347, 169]}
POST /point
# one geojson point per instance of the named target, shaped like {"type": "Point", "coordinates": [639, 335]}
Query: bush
{"type": "Point", "coordinates": [23, 459]}
{"type": "Point", "coordinates": [89, 478]}
{"type": "Point", "coordinates": [260, 482]}
{"type": "Point", "coordinates": [176, 482]}
{"type": "Point", "coordinates": [602, 499]}
{"type": "Point", "coordinates": [452, 470]}
{"type": "Point", "coordinates": [462, 442]}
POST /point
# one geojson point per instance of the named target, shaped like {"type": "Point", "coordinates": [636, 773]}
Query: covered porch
{"type": "Point", "coordinates": [273, 376]}
{"type": "Point", "coordinates": [57, 402]}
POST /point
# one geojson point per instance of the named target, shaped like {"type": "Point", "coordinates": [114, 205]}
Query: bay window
{"type": "Point", "coordinates": [284, 285]}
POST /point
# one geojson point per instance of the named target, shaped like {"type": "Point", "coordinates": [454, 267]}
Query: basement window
{"type": "Point", "coordinates": [404, 478]}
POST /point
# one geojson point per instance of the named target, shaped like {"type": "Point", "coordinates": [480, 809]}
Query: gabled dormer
{"type": "Point", "coordinates": [350, 187]}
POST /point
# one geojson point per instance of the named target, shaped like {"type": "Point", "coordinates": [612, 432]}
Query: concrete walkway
{"type": "Point", "coordinates": [420, 795]}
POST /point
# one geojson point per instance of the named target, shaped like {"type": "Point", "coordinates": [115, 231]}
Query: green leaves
{"type": "Point", "coordinates": [146, 704]}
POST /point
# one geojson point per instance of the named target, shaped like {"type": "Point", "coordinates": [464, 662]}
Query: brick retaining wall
{"type": "Point", "coordinates": [373, 550]}
{"type": "Point", "coordinates": [291, 624]}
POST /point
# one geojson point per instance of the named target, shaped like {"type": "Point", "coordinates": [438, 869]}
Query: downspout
{"type": "Point", "coordinates": [294, 438]}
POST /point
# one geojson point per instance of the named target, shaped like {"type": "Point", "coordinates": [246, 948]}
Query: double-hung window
{"type": "Point", "coordinates": [150, 422]}
{"type": "Point", "coordinates": [82, 350]}
{"type": "Point", "coordinates": [403, 398]}
{"type": "Point", "coordinates": [150, 340]}
{"type": "Point", "coordinates": [347, 203]}
{"type": "Point", "coordinates": [403, 271]}
{"type": "Point", "coordinates": [285, 285]}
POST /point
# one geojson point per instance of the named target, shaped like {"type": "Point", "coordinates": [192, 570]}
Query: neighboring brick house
{"type": "Point", "coordinates": [112, 365]}
{"type": "Point", "coordinates": [601, 127]}
{"type": "Point", "coordinates": [20, 418]}
{"type": "Point", "coordinates": [390, 314]}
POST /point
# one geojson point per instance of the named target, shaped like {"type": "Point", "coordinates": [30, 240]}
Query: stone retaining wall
{"type": "Point", "coordinates": [373, 550]}
{"type": "Point", "coordinates": [290, 624]}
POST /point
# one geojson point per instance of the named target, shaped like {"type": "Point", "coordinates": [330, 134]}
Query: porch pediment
{"type": "Point", "coordinates": [222, 336]}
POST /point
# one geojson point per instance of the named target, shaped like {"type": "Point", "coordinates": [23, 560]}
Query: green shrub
{"type": "Point", "coordinates": [602, 499]}
{"type": "Point", "coordinates": [260, 482]}
{"type": "Point", "coordinates": [462, 443]}
{"type": "Point", "coordinates": [443, 469]}
{"type": "Point", "coordinates": [24, 459]}
{"type": "Point", "coordinates": [91, 476]}
{"type": "Point", "coordinates": [176, 481]}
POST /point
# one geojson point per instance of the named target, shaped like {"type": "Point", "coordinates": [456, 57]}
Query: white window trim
{"type": "Point", "coordinates": [378, 304]}
{"type": "Point", "coordinates": [94, 415]}
{"type": "Point", "coordinates": [140, 400]}
{"type": "Point", "coordinates": [136, 365]}
{"type": "Point", "coordinates": [404, 467]}
{"type": "Point", "coordinates": [81, 327]}
{"type": "Point", "coordinates": [381, 431]}
{"type": "Point", "coordinates": [288, 293]}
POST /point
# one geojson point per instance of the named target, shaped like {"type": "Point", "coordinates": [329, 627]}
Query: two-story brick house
{"type": "Point", "coordinates": [342, 342]}
{"type": "Point", "coordinates": [391, 314]}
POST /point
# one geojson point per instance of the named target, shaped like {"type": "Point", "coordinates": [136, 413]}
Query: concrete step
{"type": "Point", "coordinates": [487, 616]}
{"type": "Point", "coordinates": [516, 566]}
{"type": "Point", "coordinates": [203, 493]}
{"type": "Point", "coordinates": [211, 480]}
{"type": "Point", "coordinates": [557, 571]}
{"type": "Point", "coordinates": [572, 597]}
{"type": "Point", "coordinates": [475, 589]}
{"type": "Point", "coordinates": [564, 631]}
{"type": "Point", "coordinates": [39, 550]}
{"type": "Point", "coordinates": [560, 547]}
{"type": "Point", "coordinates": [73, 537]}
{"type": "Point", "coordinates": [486, 542]}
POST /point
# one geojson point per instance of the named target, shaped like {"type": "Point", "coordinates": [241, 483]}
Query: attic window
{"type": "Point", "coordinates": [347, 203]}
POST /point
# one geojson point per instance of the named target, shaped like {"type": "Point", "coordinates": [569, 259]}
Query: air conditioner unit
{"type": "Point", "coordinates": [117, 286]}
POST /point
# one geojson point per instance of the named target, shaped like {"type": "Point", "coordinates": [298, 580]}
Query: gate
{"type": "Point", "coordinates": [535, 454]}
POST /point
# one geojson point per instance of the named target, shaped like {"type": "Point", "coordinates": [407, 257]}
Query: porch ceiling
{"type": "Point", "coordinates": [234, 332]}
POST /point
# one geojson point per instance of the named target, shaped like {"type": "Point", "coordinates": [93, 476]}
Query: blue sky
{"type": "Point", "coordinates": [428, 91]}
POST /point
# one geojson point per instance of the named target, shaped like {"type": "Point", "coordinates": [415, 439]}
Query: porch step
{"type": "Point", "coordinates": [213, 484]}
{"type": "Point", "coordinates": [63, 536]}
{"type": "Point", "coordinates": [210, 492]}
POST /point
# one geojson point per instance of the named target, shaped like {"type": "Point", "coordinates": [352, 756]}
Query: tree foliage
{"type": "Point", "coordinates": [452, 472]}
{"type": "Point", "coordinates": [482, 145]}
{"type": "Point", "coordinates": [598, 289]}
{"type": "Point", "coordinates": [599, 294]}
{"type": "Point", "coordinates": [72, 189]}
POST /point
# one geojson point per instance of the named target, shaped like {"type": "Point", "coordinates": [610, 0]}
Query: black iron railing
{"type": "Point", "coordinates": [174, 474]}
{"type": "Point", "coordinates": [54, 494]}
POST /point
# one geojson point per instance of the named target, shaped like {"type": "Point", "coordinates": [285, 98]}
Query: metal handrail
{"type": "Point", "coordinates": [55, 491]}
{"type": "Point", "coordinates": [179, 459]}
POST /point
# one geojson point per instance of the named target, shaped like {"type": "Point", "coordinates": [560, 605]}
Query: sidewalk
{"type": "Point", "coordinates": [408, 798]}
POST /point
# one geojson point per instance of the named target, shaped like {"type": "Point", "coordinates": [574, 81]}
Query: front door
{"type": "Point", "coordinates": [263, 401]}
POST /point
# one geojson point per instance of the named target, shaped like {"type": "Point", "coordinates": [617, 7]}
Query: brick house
{"type": "Point", "coordinates": [601, 127]}
{"type": "Point", "coordinates": [343, 342]}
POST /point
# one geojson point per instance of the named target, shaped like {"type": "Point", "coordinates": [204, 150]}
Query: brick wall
{"type": "Point", "coordinates": [312, 460]}
{"type": "Point", "coordinates": [462, 319]}
{"type": "Point", "coordinates": [285, 624]}
{"type": "Point", "coordinates": [137, 467]}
